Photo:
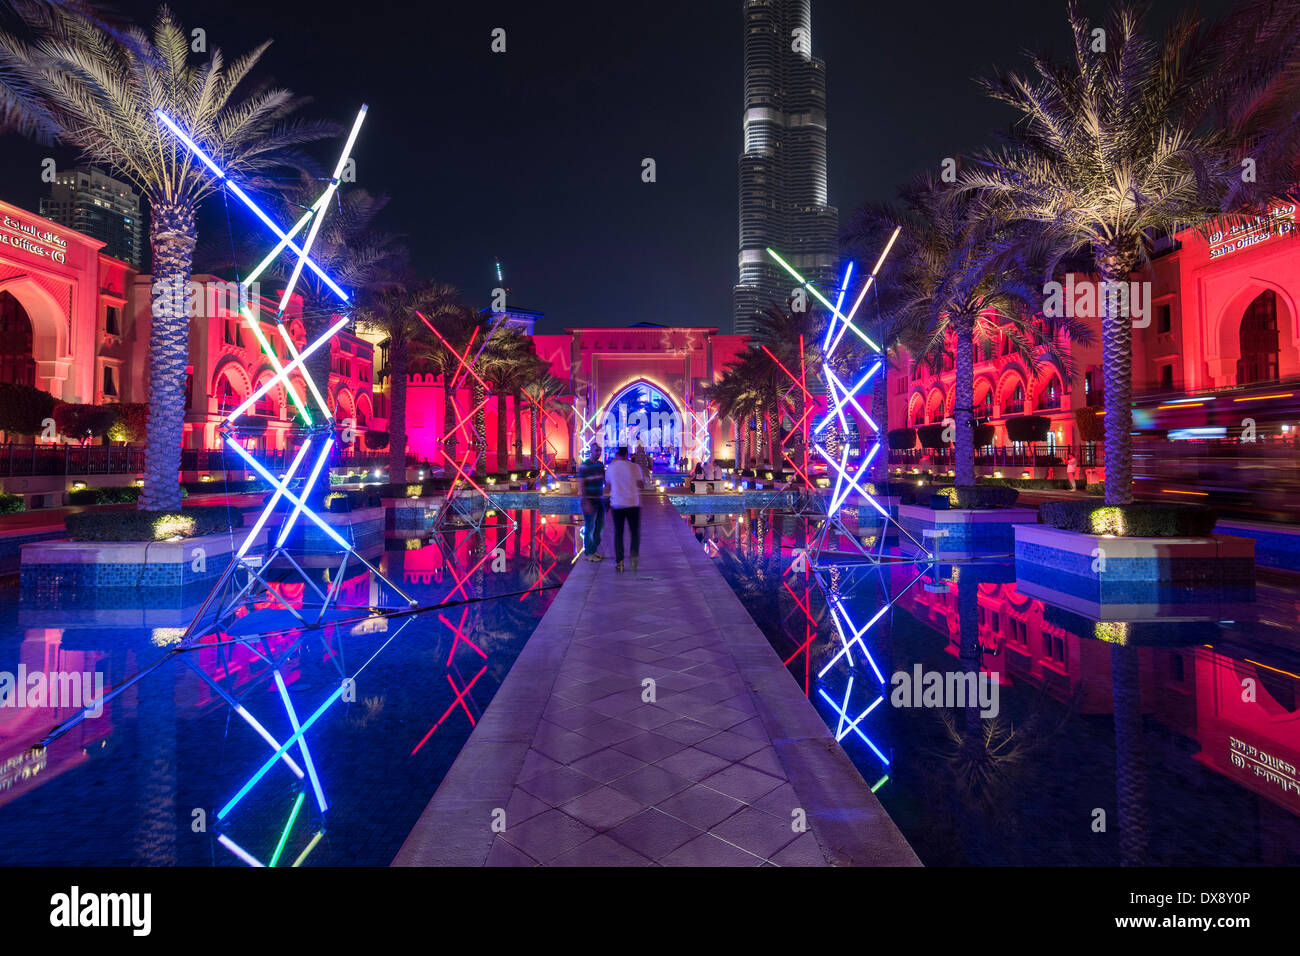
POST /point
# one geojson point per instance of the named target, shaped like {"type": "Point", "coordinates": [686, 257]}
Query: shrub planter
{"type": "Point", "coordinates": [363, 528]}
{"type": "Point", "coordinates": [1116, 578]}
{"type": "Point", "coordinates": [963, 530]}
{"type": "Point", "coordinates": [411, 514]}
{"type": "Point", "coordinates": [117, 574]}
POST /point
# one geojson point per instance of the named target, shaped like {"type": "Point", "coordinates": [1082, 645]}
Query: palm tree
{"type": "Point", "coordinates": [389, 309]}
{"type": "Point", "coordinates": [757, 375]}
{"type": "Point", "coordinates": [509, 363]}
{"type": "Point", "coordinates": [736, 398]}
{"type": "Point", "coordinates": [965, 278]}
{"type": "Point", "coordinates": [98, 91]}
{"type": "Point", "coordinates": [543, 390]}
{"type": "Point", "coordinates": [782, 331]}
{"type": "Point", "coordinates": [1117, 148]}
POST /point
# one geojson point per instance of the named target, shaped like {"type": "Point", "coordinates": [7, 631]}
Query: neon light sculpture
{"type": "Point", "coordinates": [318, 426]}
{"type": "Point", "coordinates": [825, 553]}
{"type": "Point", "coordinates": [452, 504]}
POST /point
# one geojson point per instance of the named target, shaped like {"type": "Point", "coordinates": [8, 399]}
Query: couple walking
{"type": "Point", "coordinates": [624, 479]}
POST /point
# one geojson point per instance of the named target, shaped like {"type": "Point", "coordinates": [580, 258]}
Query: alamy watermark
{"type": "Point", "coordinates": [950, 689]}
{"type": "Point", "coordinates": [63, 690]}
{"type": "Point", "coordinates": [200, 300]}
{"type": "Point", "coordinates": [1091, 299]}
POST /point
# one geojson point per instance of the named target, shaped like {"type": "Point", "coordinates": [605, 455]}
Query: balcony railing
{"type": "Point", "coordinates": [1033, 455]}
{"type": "Point", "coordinates": [20, 460]}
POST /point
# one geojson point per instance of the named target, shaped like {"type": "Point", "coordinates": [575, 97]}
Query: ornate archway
{"type": "Point", "coordinates": [645, 414]}
{"type": "Point", "coordinates": [17, 361]}
{"type": "Point", "coordinates": [48, 328]}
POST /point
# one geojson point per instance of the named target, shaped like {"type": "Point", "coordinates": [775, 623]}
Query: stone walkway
{"type": "Point", "coordinates": [649, 722]}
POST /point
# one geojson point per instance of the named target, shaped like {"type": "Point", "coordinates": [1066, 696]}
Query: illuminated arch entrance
{"type": "Point", "coordinates": [17, 363]}
{"type": "Point", "coordinates": [1259, 341]}
{"type": "Point", "coordinates": [642, 415]}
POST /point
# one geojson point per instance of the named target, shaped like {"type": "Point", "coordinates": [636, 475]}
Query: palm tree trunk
{"type": "Point", "coordinates": [1130, 755]}
{"type": "Point", "coordinates": [518, 399]}
{"type": "Point", "coordinates": [532, 434]}
{"type": "Point", "coordinates": [480, 427]}
{"type": "Point", "coordinates": [1117, 379]}
{"type": "Point", "coordinates": [172, 235]}
{"type": "Point", "coordinates": [399, 361]}
{"type": "Point", "coordinates": [774, 433]}
{"type": "Point", "coordinates": [964, 403]}
{"type": "Point", "coordinates": [503, 451]}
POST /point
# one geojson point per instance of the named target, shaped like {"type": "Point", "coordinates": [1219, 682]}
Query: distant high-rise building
{"type": "Point", "coordinates": [98, 205]}
{"type": "Point", "coordinates": [783, 168]}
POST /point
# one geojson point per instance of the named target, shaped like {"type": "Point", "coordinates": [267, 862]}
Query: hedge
{"type": "Point", "coordinates": [250, 486]}
{"type": "Point", "coordinates": [979, 496]}
{"type": "Point", "coordinates": [79, 421]}
{"type": "Point", "coordinates": [932, 436]}
{"type": "Point", "coordinates": [902, 439]}
{"type": "Point", "coordinates": [342, 502]}
{"type": "Point", "coordinates": [1089, 424]}
{"type": "Point", "coordinates": [24, 408]}
{"type": "Point", "coordinates": [104, 496]}
{"type": "Point", "coordinates": [1028, 428]}
{"type": "Point", "coordinates": [150, 525]}
{"type": "Point", "coordinates": [1141, 519]}
{"type": "Point", "coordinates": [12, 504]}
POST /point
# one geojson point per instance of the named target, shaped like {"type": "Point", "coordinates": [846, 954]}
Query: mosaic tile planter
{"type": "Point", "coordinates": [123, 574]}
{"type": "Point", "coordinates": [362, 528]}
{"type": "Point", "coordinates": [964, 530]}
{"type": "Point", "coordinates": [1067, 568]}
{"type": "Point", "coordinates": [411, 514]}
{"type": "Point", "coordinates": [1276, 546]}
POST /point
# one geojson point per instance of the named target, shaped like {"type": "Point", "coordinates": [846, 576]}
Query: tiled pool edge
{"type": "Point", "coordinates": [847, 819]}
{"type": "Point", "coordinates": [492, 758]}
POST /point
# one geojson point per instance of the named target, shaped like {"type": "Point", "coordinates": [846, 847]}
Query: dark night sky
{"type": "Point", "coordinates": [535, 155]}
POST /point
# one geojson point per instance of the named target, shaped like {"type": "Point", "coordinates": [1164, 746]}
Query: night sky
{"type": "Point", "coordinates": [535, 155]}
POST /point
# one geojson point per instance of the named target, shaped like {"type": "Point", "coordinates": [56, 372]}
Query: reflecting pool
{"type": "Point", "coordinates": [198, 759]}
{"type": "Point", "coordinates": [1170, 742]}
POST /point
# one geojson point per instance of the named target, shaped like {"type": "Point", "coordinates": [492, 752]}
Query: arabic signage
{"type": "Point", "coordinates": [33, 240]}
{"type": "Point", "coordinates": [1278, 221]}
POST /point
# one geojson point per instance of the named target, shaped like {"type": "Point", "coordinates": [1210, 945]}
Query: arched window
{"type": "Point", "coordinates": [227, 398]}
{"type": "Point", "coordinates": [1259, 341]}
{"type": "Point", "coordinates": [1051, 395]}
{"type": "Point", "coordinates": [1016, 403]}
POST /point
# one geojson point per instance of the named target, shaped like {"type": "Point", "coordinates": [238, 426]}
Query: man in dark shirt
{"type": "Point", "coordinates": [591, 477]}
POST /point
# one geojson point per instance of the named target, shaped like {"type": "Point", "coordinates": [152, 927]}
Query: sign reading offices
{"type": "Point", "coordinates": [33, 240]}
{"type": "Point", "coordinates": [1278, 221]}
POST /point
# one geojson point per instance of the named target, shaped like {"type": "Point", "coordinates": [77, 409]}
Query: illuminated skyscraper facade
{"type": "Point", "coordinates": [783, 184]}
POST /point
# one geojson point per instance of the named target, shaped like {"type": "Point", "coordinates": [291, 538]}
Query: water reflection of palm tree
{"type": "Point", "coordinates": [984, 763]}
{"type": "Point", "coordinates": [1130, 755]}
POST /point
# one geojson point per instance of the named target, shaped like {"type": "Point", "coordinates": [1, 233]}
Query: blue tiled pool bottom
{"type": "Point", "coordinates": [144, 783]}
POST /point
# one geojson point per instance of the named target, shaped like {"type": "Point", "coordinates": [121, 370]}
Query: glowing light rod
{"type": "Point", "coordinates": [853, 723]}
{"type": "Point", "coordinates": [306, 725]}
{"type": "Point", "coordinates": [324, 203]}
{"type": "Point", "coordinates": [847, 320]}
{"type": "Point", "coordinates": [220, 173]}
{"type": "Point", "coordinates": [284, 372]}
{"type": "Point", "coordinates": [293, 499]}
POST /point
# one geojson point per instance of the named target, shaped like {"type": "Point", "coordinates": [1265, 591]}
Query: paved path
{"type": "Point", "coordinates": [714, 772]}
